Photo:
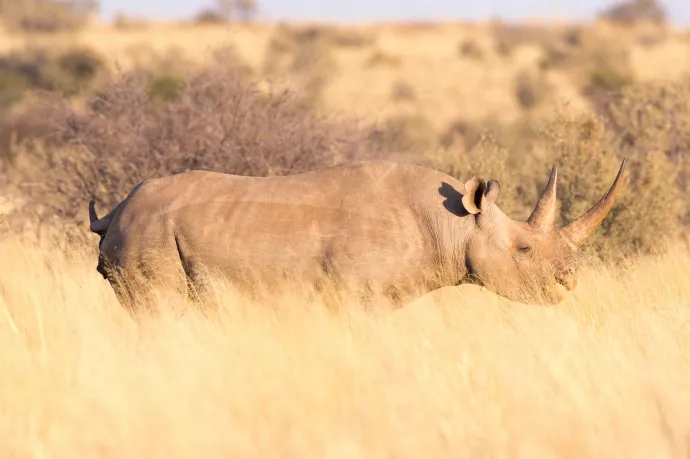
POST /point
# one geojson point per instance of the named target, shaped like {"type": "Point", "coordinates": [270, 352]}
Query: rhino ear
{"type": "Point", "coordinates": [478, 194]}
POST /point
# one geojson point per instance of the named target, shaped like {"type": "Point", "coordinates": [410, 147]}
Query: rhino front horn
{"type": "Point", "coordinates": [578, 230]}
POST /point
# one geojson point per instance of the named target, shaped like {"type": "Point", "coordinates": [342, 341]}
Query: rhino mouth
{"type": "Point", "coordinates": [567, 280]}
{"type": "Point", "coordinates": [470, 278]}
{"type": "Point", "coordinates": [561, 287]}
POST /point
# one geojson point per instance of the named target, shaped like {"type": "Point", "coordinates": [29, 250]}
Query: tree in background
{"type": "Point", "coordinates": [244, 9]}
{"type": "Point", "coordinates": [633, 11]}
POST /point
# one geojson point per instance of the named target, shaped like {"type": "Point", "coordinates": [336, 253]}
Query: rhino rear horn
{"type": "Point", "coordinates": [544, 215]}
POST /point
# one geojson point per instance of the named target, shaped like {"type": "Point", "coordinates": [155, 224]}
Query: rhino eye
{"type": "Point", "coordinates": [524, 249]}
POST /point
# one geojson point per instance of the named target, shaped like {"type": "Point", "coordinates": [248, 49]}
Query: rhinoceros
{"type": "Point", "coordinates": [401, 227]}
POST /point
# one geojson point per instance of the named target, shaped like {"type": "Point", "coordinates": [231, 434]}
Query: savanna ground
{"type": "Point", "coordinates": [458, 373]}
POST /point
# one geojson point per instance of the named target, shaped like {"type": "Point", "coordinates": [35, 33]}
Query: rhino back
{"type": "Point", "coordinates": [356, 220]}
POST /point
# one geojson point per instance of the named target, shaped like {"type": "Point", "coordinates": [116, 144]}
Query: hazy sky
{"type": "Point", "coordinates": [356, 10]}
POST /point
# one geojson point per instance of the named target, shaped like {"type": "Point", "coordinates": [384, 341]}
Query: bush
{"type": "Point", "coordinates": [16, 128]}
{"type": "Point", "coordinates": [45, 15]}
{"type": "Point", "coordinates": [70, 72]}
{"type": "Point", "coordinates": [380, 58]}
{"type": "Point", "coordinates": [123, 21]}
{"type": "Point", "coordinates": [12, 88]}
{"type": "Point", "coordinates": [302, 53]}
{"type": "Point", "coordinates": [598, 65]}
{"type": "Point", "coordinates": [655, 117]}
{"type": "Point", "coordinates": [508, 37]}
{"type": "Point", "coordinates": [531, 90]}
{"type": "Point", "coordinates": [516, 171]}
{"type": "Point", "coordinates": [588, 150]}
{"type": "Point", "coordinates": [635, 11]}
{"type": "Point", "coordinates": [459, 132]}
{"type": "Point", "coordinates": [209, 16]}
{"type": "Point", "coordinates": [470, 49]}
{"type": "Point", "coordinates": [403, 91]}
{"type": "Point", "coordinates": [165, 87]}
{"type": "Point", "coordinates": [408, 132]}
{"type": "Point", "coordinates": [219, 122]}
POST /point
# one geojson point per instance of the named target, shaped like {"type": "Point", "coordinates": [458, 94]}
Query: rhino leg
{"type": "Point", "coordinates": [137, 268]}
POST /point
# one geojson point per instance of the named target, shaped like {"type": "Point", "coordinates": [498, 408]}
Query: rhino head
{"type": "Point", "coordinates": [532, 261]}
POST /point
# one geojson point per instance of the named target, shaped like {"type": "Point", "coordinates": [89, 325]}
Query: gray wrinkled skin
{"type": "Point", "coordinates": [399, 227]}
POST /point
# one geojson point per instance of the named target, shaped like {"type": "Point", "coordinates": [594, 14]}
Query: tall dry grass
{"type": "Point", "coordinates": [460, 373]}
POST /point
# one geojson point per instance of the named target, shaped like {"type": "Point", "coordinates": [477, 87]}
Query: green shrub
{"type": "Point", "coordinates": [12, 88]}
{"type": "Point", "coordinates": [80, 64]}
{"type": "Point", "coordinates": [166, 88]}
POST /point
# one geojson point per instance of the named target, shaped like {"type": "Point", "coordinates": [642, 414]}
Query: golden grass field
{"type": "Point", "coordinates": [459, 373]}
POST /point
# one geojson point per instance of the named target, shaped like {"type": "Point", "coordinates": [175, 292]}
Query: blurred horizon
{"type": "Point", "coordinates": [392, 10]}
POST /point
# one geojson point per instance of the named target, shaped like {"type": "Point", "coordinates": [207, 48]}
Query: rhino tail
{"type": "Point", "coordinates": [98, 225]}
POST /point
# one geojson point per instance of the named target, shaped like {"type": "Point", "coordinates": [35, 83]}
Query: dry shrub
{"type": "Point", "coordinates": [488, 158]}
{"type": "Point", "coordinates": [303, 54]}
{"type": "Point", "coordinates": [123, 21]}
{"type": "Point", "coordinates": [347, 38]}
{"type": "Point", "coordinates": [588, 153]}
{"type": "Point", "coordinates": [648, 124]}
{"type": "Point", "coordinates": [410, 132]}
{"type": "Point", "coordinates": [403, 91]}
{"type": "Point", "coordinates": [69, 71]}
{"type": "Point", "coordinates": [379, 58]}
{"type": "Point", "coordinates": [243, 10]}
{"type": "Point", "coordinates": [209, 16]}
{"type": "Point", "coordinates": [45, 15]}
{"type": "Point", "coordinates": [460, 131]}
{"type": "Point", "coordinates": [470, 49]}
{"type": "Point", "coordinates": [531, 89]}
{"type": "Point", "coordinates": [597, 64]}
{"type": "Point", "coordinates": [220, 121]}
{"type": "Point", "coordinates": [289, 37]}
{"type": "Point", "coordinates": [17, 127]}
{"type": "Point", "coordinates": [652, 118]}
{"type": "Point", "coordinates": [508, 37]}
